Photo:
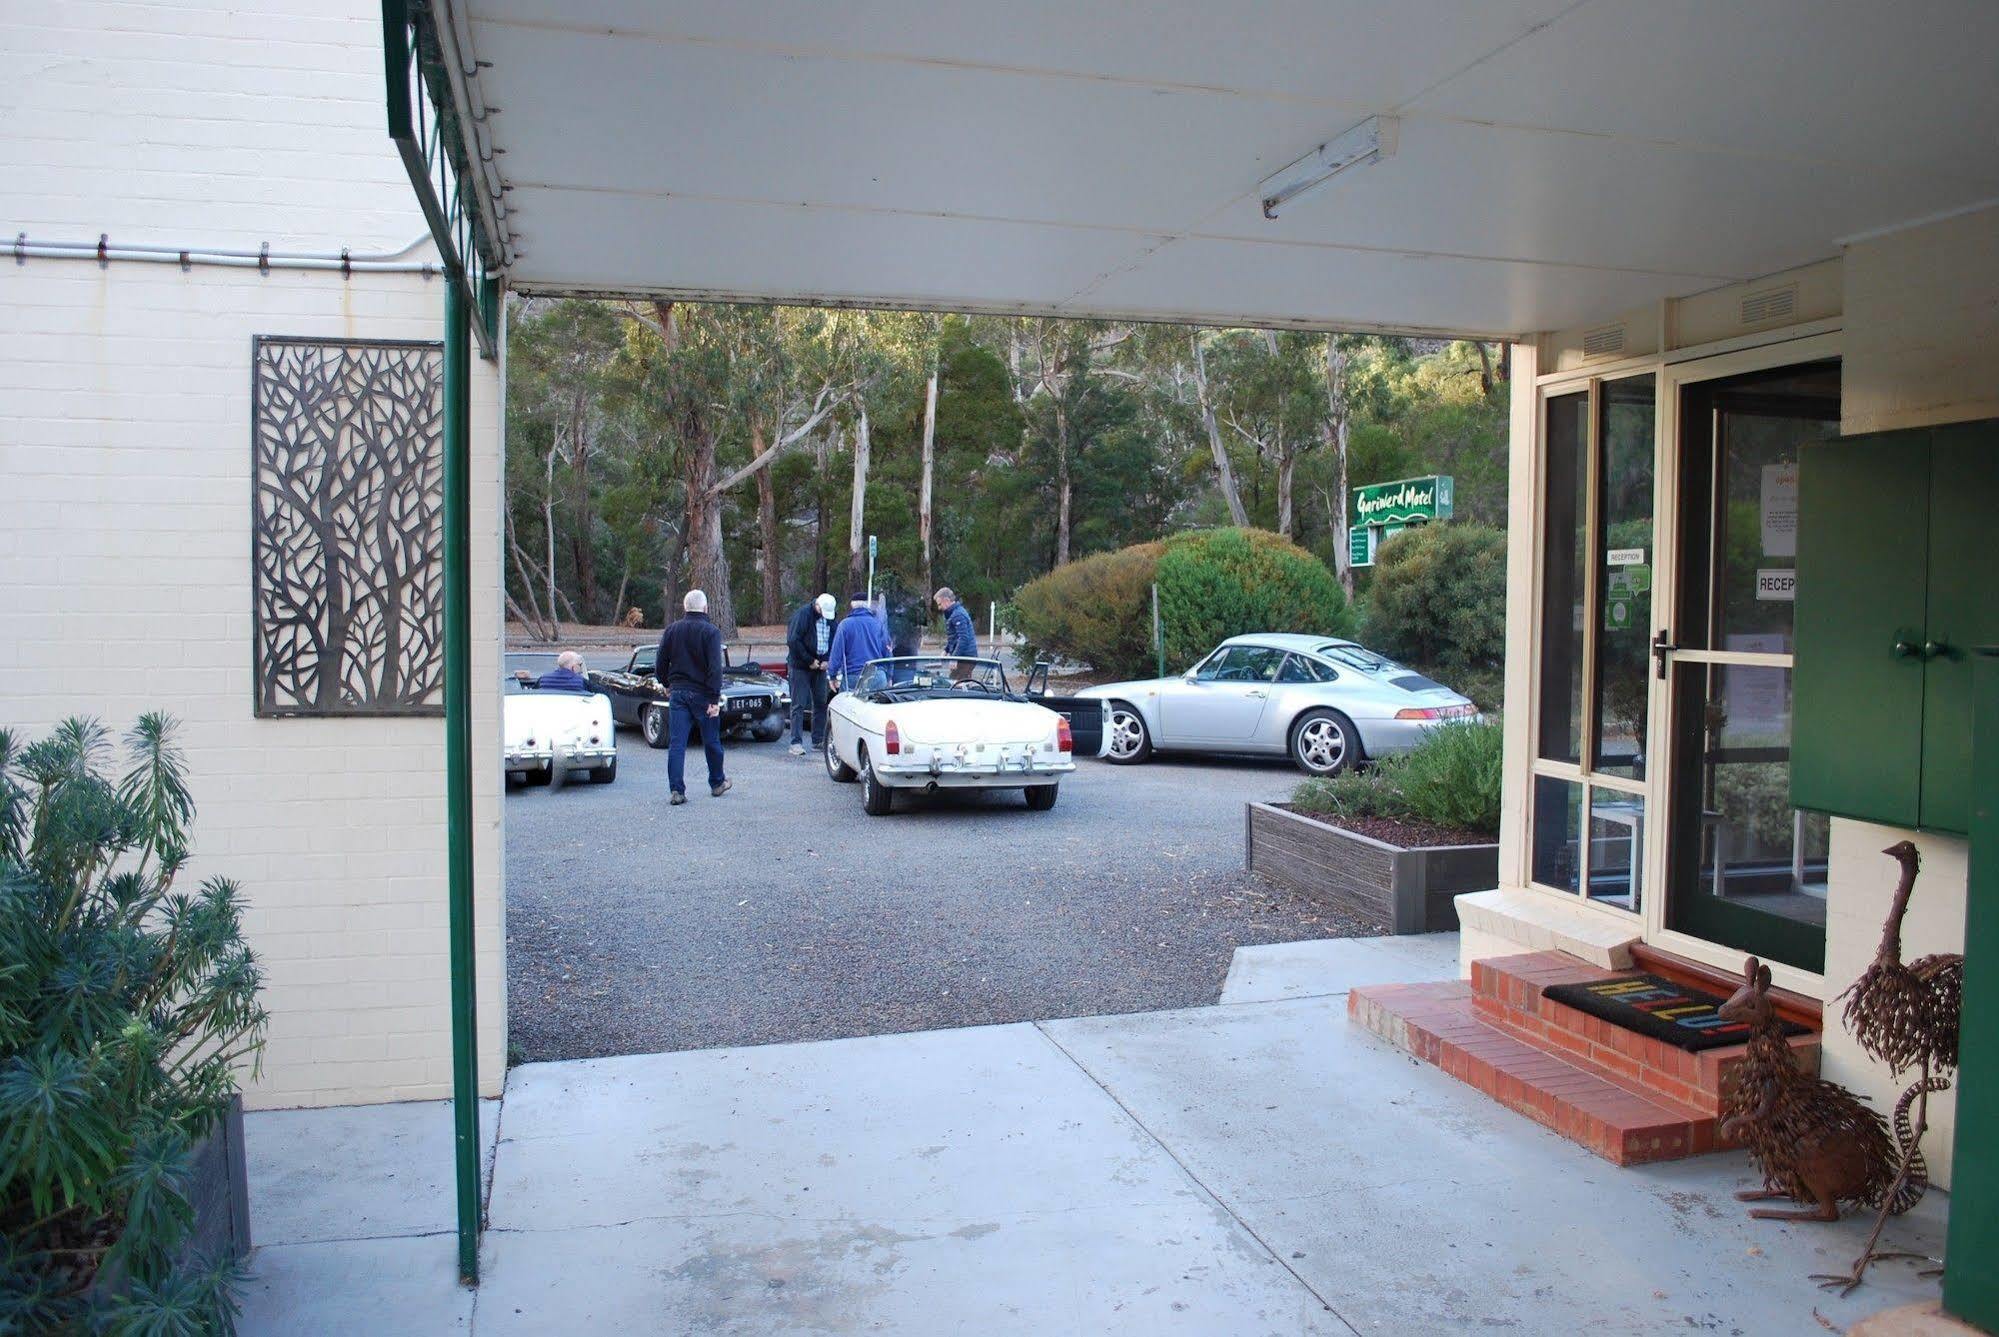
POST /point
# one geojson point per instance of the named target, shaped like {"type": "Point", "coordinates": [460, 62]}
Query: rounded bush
{"type": "Point", "coordinates": [1438, 598]}
{"type": "Point", "coordinates": [1097, 610]}
{"type": "Point", "coordinates": [1218, 583]}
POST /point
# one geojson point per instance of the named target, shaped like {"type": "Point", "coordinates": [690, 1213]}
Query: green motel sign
{"type": "Point", "coordinates": [1379, 511]}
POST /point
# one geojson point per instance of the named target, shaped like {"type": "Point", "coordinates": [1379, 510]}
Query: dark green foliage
{"type": "Point", "coordinates": [1213, 584]}
{"type": "Point", "coordinates": [1351, 794]}
{"type": "Point", "coordinates": [1217, 583]}
{"type": "Point", "coordinates": [1097, 610]}
{"type": "Point", "coordinates": [1438, 598]}
{"type": "Point", "coordinates": [124, 1004]}
{"type": "Point", "coordinates": [1451, 779]}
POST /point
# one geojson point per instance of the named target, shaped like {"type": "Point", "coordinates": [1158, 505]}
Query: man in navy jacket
{"type": "Point", "coordinates": [960, 636]}
{"type": "Point", "coordinates": [808, 641]}
{"type": "Point", "coordinates": [690, 664]}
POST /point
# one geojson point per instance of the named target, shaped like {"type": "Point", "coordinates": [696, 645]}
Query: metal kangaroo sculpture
{"type": "Point", "coordinates": [1905, 1016]}
{"type": "Point", "coordinates": [1815, 1141]}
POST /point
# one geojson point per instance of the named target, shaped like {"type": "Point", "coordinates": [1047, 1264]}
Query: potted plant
{"type": "Point", "coordinates": [1395, 842]}
{"type": "Point", "coordinates": [126, 1004]}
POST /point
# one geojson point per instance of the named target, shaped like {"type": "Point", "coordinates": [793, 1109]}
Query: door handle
{"type": "Point", "coordinates": [1259, 694]}
{"type": "Point", "coordinates": [1906, 649]}
{"type": "Point", "coordinates": [1933, 649]}
{"type": "Point", "coordinates": [1661, 647]}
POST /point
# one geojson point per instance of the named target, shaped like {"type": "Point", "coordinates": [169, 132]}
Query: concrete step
{"type": "Point", "coordinates": [1442, 1024]}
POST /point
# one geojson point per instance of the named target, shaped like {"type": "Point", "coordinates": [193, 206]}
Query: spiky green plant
{"type": "Point", "coordinates": [126, 1005]}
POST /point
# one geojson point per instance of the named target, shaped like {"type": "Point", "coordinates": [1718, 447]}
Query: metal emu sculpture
{"type": "Point", "coordinates": [1905, 1016]}
{"type": "Point", "coordinates": [1815, 1141]}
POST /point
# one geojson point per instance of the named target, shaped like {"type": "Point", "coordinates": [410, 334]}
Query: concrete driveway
{"type": "Point", "coordinates": [1257, 1167]}
{"type": "Point", "coordinates": [781, 912]}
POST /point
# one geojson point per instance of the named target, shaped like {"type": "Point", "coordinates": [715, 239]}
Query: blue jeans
{"type": "Point", "coordinates": [686, 712]}
{"type": "Point", "coordinates": [808, 692]}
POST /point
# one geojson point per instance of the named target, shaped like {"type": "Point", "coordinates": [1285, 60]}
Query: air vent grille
{"type": "Point", "coordinates": [1759, 308]}
{"type": "Point", "coordinates": [1603, 341]}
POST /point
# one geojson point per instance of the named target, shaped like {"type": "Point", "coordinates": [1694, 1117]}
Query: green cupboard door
{"type": "Point", "coordinates": [1963, 610]}
{"type": "Point", "coordinates": [1970, 1282]}
{"type": "Point", "coordinates": [1857, 684]}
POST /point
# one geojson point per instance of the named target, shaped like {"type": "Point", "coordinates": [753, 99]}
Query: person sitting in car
{"type": "Point", "coordinates": [566, 676]}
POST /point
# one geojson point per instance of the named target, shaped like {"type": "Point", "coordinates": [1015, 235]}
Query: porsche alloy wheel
{"type": "Point", "coordinates": [1130, 741]}
{"type": "Point", "coordinates": [653, 724]}
{"type": "Point", "coordinates": [1323, 743]}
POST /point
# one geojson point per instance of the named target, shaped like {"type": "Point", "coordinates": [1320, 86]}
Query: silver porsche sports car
{"type": "Point", "coordinates": [1328, 704]}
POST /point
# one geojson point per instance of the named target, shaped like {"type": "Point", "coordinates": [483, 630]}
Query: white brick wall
{"type": "Point", "coordinates": [125, 495]}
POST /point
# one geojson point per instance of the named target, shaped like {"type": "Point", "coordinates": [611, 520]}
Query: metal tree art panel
{"type": "Point", "coordinates": [346, 527]}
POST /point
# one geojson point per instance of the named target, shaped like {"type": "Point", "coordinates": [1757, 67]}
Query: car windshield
{"type": "Point", "coordinates": [1354, 657]}
{"type": "Point", "coordinates": [913, 677]}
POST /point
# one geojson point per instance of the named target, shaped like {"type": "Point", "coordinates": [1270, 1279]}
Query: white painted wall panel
{"type": "Point", "coordinates": [125, 496]}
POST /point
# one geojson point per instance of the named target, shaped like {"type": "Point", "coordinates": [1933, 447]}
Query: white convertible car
{"type": "Point", "coordinates": [930, 722]}
{"type": "Point", "coordinates": [1328, 704]}
{"type": "Point", "coordinates": [552, 736]}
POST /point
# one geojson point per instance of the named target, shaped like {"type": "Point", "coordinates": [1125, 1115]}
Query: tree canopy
{"type": "Point", "coordinates": [751, 449]}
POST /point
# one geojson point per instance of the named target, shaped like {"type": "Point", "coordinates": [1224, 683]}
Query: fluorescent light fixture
{"type": "Point", "coordinates": [1370, 141]}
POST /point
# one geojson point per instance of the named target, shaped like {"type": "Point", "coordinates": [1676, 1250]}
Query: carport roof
{"type": "Point", "coordinates": [1559, 160]}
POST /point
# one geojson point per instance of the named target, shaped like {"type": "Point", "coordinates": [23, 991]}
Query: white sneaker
{"type": "Point", "coordinates": [798, 749]}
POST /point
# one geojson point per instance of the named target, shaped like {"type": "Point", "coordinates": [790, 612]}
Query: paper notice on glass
{"type": "Point", "coordinates": [1780, 510]}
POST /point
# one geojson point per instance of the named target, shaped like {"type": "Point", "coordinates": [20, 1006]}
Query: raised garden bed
{"type": "Point", "coordinates": [1404, 887]}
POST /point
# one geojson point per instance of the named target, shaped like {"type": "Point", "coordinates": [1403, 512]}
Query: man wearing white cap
{"type": "Point", "coordinates": [690, 664]}
{"type": "Point", "coordinates": [809, 638]}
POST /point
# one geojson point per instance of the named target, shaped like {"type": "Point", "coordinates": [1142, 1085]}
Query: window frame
{"type": "Point", "coordinates": [1582, 771]}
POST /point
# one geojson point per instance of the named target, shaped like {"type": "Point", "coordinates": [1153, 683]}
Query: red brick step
{"type": "Point", "coordinates": [1440, 1024]}
{"type": "Point", "coordinates": [1507, 992]}
{"type": "Point", "coordinates": [1626, 1096]}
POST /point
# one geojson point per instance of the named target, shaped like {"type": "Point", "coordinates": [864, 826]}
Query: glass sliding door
{"type": "Point", "coordinates": [1743, 868]}
{"type": "Point", "coordinates": [1594, 627]}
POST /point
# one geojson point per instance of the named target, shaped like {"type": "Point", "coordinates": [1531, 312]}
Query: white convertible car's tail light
{"type": "Point", "coordinates": [1064, 739]}
{"type": "Point", "coordinates": [1436, 712]}
{"type": "Point", "coordinates": [891, 739]}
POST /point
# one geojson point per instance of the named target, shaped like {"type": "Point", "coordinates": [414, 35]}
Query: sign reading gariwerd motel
{"type": "Point", "coordinates": [1379, 511]}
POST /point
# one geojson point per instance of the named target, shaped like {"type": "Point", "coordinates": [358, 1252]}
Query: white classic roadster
{"type": "Point", "coordinates": [935, 722]}
{"type": "Point", "coordinates": [550, 736]}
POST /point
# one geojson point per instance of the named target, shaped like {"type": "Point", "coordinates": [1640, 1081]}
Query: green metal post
{"type": "Point", "coordinates": [1158, 634]}
{"type": "Point", "coordinates": [458, 768]}
{"type": "Point", "coordinates": [1970, 1284]}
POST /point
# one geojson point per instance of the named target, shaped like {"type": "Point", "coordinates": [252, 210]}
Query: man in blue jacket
{"type": "Point", "coordinates": [859, 638]}
{"type": "Point", "coordinates": [690, 664]}
{"type": "Point", "coordinates": [566, 676]}
{"type": "Point", "coordinates": [808, 642]}
{"type": "Point", "coordinates": [961, 637]}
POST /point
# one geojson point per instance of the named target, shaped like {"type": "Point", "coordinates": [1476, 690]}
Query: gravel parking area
{"type": "Point", "coordinates": [781, 912]}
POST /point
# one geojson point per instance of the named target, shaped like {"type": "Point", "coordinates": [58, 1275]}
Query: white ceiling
{"type": "Point", "coordinates": [1560, 161]}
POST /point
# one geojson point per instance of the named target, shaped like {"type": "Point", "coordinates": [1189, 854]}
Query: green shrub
{"type": "Point", "coordinates": [1213, 584]}
{"type": "Point", "coordinates": [1452, 778]}
{"type": "Point", "coordinates": [1437, 599]}
{"type": "Point", "coordinates": [1097, 610]}
{"type": "Point", "coordinates": [125, 1004]}
{"type": "Point", "coordinates": [1449, 779]}
{"type": "Point", "coordinates": [1351, 794]}
{"type": "Point", "coordinates": [1218, 583]}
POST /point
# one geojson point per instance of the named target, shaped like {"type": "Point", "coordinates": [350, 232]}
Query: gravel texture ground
{"type": "Point", "coordinates": [782, 912]}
